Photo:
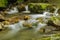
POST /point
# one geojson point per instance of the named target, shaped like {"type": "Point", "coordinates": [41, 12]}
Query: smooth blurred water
{"type": "Point", "coordinates": [15, 28]}
{"type": "Point", "coordinates": [56, 12]}
{"type": "Point", "coordinates": [40, 25]}
{"type": "Point", "coordinates": [26, 7]}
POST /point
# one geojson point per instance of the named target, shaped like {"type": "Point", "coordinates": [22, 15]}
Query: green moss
{"type": "Point", "coordinates": [3, 3]}
{"type": "Point", "coordinates": [44, 5]}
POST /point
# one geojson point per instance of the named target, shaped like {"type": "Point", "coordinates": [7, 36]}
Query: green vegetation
{"type": "Point", "coordinates": [56, 20]}
{"type": "Point", "coordinates": [44, 5]}
{"type": "Point", "coordinates": [3, 3]}
{"type": "Point", "coordinates": [38, 7]}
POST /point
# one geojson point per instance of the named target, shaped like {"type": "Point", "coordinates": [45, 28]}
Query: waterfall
{"type": "Point", "coordinates": [40, 25]}
{"type": "Point", "coordinates": [13, 11]}
{"type": "Point", "coordinates": [14, 29]}
{"type": "Point", "coordinates": [55, 12]}
{"type": "Point", "coordinates": [21, 24]}
{"type": "Point", "coordinates": [26, 7]}
{"type": "Point", "coordinates": [36, 16]}
{"type": "Point", "coordinates": [33, 20]}
{"type": "Point", "coordinates": [46, 15]}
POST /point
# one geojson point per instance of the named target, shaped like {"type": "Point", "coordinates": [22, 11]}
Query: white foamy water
{"type": "Point", "coordinates": [26, 7]}
{"type": "Point", "coordinates": [40, 25]}
{"type": "Point", "coordinates": [21, 24]}
{"type": "Point", "coordinates": [14, 29]}
{"type": "Point", "coordinates": [13, 11]}
{"type": "Point", "coordinates": [37, 16]}
{"type": "Point", "coordinates": [44, 15]}
{"type": "Point", "coordinates": [55, 12]}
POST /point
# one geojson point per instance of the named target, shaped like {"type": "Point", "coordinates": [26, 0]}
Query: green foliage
{"type": "Point", "coordinates": [55, 20]}
{"type": "Point", "coordinates": [37, 7]}
{"type": "Point", "coordinates": [3, 3]}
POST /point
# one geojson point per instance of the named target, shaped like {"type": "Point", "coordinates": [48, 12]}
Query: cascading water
{"type": "Point", "coordinates": [14, 29]}
{"type": "Point", "coordinates": [36, 16]}
{"type": "Point", "coordinates": [21, 24]}
{"type": "Point", "coordinates": [26, 7]}
{"type": "Point", "coordinates": [40, 25]}
{"type": "Point", "coordinates": [18, 26]}
{"type": "Point", "coordinates": [55, 12]}
{"type": "Point", "coordinates": [46, 15]}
